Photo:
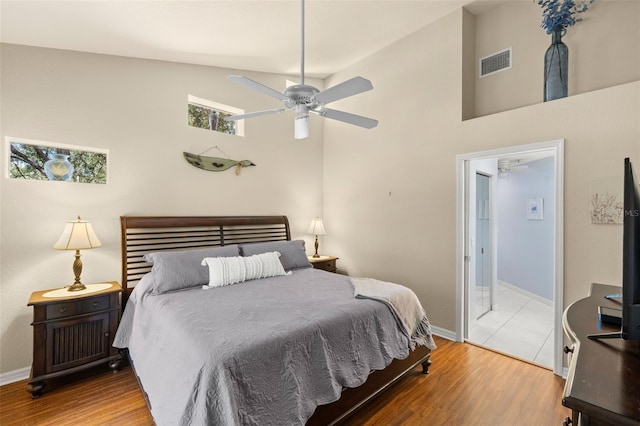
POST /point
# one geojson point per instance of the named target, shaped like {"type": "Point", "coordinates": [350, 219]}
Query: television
{"type": "Point", "coordinates": [630, 260]}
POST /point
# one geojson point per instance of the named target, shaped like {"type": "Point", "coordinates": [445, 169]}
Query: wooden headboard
{"type": "Point", "coordinates": [145, 234]}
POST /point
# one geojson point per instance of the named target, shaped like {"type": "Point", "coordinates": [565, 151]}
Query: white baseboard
{"type": "Point", "coordinates": [444, 333]}
{"type": "Point", "coordinates": [526, 293]}
{"type": "Point", "coordinates": [14, 376]}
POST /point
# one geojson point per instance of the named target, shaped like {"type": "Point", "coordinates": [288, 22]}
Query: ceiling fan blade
{"type": "Point", "coordinates": [345, 89]}
{"type": "Point", "coordinates": [253, 114]}
{"type": "Point", "coordinates": [367, 123]}
{"type": "Point", "coordinates": [247, 82]}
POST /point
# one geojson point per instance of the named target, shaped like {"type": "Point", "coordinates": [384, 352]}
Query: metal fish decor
{"type": "Point", "coordinates": [215, 164]}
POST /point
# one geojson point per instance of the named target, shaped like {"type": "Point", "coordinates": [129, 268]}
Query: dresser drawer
{"type": "Point", "coordinates": [66, 309]}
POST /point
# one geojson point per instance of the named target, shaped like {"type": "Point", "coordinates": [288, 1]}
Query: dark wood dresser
{"type": "Point", "coordinates": [603, 384]}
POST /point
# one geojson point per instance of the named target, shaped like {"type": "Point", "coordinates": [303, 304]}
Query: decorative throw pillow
{"type": "Point", "coordinates": [232, 270]}
{"type": "Point", "coordinates": [175, 270]}
{"type": "Point", "coordinates": [293, 254]}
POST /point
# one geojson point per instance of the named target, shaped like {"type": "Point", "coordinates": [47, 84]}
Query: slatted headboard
{"type": "Point", "coordinates": [145, 234]}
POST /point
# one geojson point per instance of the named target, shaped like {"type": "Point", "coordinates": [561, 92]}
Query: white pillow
{"type": "Point", "coordinates": [232, 270]}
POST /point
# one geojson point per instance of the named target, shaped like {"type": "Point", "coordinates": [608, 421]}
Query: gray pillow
{"type": "Point", "coordinates": [292, 253]}
{"type": "Point", "coordinates": [175, 270]}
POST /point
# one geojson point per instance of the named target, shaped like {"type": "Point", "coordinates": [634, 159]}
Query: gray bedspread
{"type": "Point", "coordinates": [263, 352]}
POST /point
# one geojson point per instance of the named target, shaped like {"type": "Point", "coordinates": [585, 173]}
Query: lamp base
{"type": "Point", "coordinates": [76, 287]}
{"type": "Point", "coordinates": [316, 255]}
{"type": "Point", "coordinates": [77, 270]}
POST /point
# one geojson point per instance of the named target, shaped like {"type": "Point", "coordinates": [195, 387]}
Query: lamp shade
{"type": "Point", "coordinates": [77, 235]}
{"type": "Point", "coordinates": [316, 227]}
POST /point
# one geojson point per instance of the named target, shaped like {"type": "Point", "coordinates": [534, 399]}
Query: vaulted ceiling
{"type": "Point", "coordinates": [259, 35]}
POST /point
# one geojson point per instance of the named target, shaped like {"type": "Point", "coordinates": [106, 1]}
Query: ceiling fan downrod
{"type": "Point", "coordinates": [302, 44]}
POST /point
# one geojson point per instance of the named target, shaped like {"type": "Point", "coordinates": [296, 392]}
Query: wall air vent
{"type": "Point", "coordinates": [496, 62]}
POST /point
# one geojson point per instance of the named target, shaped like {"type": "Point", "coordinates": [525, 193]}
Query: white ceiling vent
{"type": "Point", "coordinates": [496, 62]}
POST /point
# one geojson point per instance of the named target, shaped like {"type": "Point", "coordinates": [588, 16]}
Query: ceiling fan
{"type": "Point", "coordinates": [505, 166]}
{"type": "Point", "coordinates": [303, 98]}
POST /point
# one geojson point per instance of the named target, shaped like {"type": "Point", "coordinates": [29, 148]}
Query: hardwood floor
{"type": "Point", "coordinates": [467, 385]}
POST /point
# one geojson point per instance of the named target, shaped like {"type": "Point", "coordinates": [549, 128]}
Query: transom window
{"type": "Point", "coordinates": [206, 114]}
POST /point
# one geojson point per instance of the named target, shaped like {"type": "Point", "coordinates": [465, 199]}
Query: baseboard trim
{"type": "Point", "coordinates": [444, 333]}
{"type": "Point", "coordinates": [14, 376]}
{"type": "Point", "coordinates": [526, 293]}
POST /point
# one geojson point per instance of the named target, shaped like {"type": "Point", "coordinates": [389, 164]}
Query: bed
{"type": "Point", "coordinates": [292, 348]}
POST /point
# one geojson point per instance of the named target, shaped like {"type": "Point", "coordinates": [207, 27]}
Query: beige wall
{"type": "Point", "coordinates": [137, 110]}
{"type": "Point", "coordinates": [603, 52]}
{"type": "Point", "coordinates": [390, 193]}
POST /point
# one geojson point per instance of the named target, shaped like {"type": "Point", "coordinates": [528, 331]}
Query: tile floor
{"type": "Point", "coordinates": [518, 325]}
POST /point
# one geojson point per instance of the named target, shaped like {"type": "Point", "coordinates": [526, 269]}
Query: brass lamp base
{"type": "Point", "coordinates": [316, 245]}
{"type": "Point", "coordinates": [77, 270]}
{"type": "Point", "coordinates": [76, 287]}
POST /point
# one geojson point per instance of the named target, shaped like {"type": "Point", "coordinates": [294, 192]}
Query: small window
{"type": "Point", "coordinates": [38, 160]}
{"type": "Point", "coordinates": [207, 114]}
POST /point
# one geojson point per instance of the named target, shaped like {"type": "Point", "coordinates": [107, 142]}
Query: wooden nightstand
{"type": "Point", "coordinates": [327, 263]}
{"type": "Point", "coordinates": [73, 332]}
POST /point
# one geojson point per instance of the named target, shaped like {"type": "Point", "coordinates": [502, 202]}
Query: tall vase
{"type": "Point", "coordinates": [58, 167]}
{"type": "Point", "coordinates": [556, 67]}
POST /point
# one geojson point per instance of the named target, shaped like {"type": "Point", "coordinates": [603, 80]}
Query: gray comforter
{"type": "Point", "coordinates": [263, 352]}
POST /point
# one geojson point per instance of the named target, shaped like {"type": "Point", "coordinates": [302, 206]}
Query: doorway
{"type": "Point", "coordinates": [482, 296]}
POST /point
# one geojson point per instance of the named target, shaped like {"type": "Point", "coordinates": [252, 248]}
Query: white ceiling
{"type": "Point", "coordinates": [258, 35]}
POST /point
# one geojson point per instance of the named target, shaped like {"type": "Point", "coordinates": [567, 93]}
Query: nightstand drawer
{"type": "Point", "coordinates": [329, 265]}
{"type": "Point", "coordinates": [61, 310]}
{"type": "Point", "coordinates": [326, 263]}
{"type": "Point", "coordinates": [85, 306]}
{"type": "Point", "coordinates": [95, 304]}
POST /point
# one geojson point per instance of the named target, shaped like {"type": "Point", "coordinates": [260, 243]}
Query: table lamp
{"type": "Point", "coordinates": [316, 228]}
{"type": "Point", "coordinates": [77, 235]}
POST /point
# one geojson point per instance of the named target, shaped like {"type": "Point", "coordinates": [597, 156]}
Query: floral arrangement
{"type": "Point", "coordinates": [557, 15]}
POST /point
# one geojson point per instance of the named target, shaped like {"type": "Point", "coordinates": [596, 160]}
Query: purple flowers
{"type": "Point", "coordinates": [560, 14]}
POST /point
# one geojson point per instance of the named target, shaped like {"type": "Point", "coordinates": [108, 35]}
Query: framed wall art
{"type": "Point", "coordinates": [535, 209]}
{"type": "Point", "coordinates": [607, 205]}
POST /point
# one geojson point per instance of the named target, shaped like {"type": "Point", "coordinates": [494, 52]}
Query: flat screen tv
{"type": "Point", "coordinates": [630, 260]}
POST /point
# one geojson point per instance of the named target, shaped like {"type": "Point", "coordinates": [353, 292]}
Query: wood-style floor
{"type": "Point", "coordinates": [467, 385]}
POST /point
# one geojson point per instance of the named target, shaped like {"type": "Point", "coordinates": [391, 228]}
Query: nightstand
{"type": "Point", "coordinates": [326, 263]}
{"type": "Point", "coordinates": [73, 332]}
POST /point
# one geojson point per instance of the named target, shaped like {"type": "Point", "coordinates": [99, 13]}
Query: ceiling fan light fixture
{"type": "Point", "coordinates": [301, 123]}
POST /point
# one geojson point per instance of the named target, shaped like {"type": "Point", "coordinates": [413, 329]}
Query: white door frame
{"type": "Point", "coordinates": [557, 149]}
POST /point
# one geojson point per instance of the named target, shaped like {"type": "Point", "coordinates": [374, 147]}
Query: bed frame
{"type": "Point", "coordinates": [144, 234]}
